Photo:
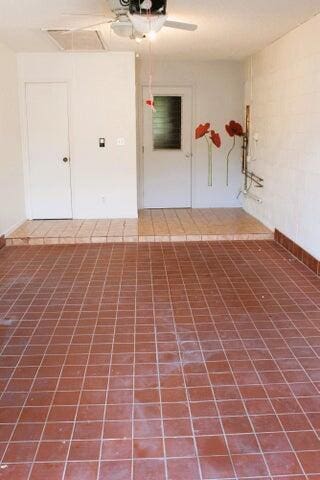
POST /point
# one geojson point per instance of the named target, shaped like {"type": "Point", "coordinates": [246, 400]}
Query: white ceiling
{"type": "Point", "coordinates": [228, 29]}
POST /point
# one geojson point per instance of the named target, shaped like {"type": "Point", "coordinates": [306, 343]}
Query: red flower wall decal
{"type": "Point", "coordinates": [215, 137]}
{"type": "Point", "coordinates": [203, 131]}
{"type": "Point", "coordinates": [234, 129]}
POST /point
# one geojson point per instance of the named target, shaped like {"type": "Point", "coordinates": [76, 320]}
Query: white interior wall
{"type": "Point", "coordinates": [12, 207]}
{"type": "Point", "coordinates": [285, 98]}
{"type": "Point", "coordinates": [217, 98]}
{"type": "Point", "coordinates": [102, 104]}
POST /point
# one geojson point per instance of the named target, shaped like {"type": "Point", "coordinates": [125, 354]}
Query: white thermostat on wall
{"type": "Point", "coordinates": [120, 142]}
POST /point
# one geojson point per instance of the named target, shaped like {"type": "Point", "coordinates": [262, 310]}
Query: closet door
{"type": "Point", "coordinates": [48, 149]}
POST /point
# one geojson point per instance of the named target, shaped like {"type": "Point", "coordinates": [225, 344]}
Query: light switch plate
{"type": "Point", "coordinates": [120, 142]}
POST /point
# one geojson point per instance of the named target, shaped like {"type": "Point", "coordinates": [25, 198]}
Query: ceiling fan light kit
{"type": "Point", "coordinates": [123, 29]}
{"type": "Point", "coordinates": [147, 23]}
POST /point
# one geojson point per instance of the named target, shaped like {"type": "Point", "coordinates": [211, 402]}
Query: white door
{"type": "Point", "coordinates": [167, 141]}
{"type": "Point", "coordinates": [48, 148]}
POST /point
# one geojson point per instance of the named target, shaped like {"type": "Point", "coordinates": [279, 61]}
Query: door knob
{"type": "Point", "coordinates": [188, 155]}
{"type": "Point", "coordinates": [65, 159]}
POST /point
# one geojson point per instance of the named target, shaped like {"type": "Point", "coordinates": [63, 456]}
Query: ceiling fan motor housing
{"type": "Point", "coordinates": [119, 6]}
{"type": "Point", "coordinates": [141, 7]}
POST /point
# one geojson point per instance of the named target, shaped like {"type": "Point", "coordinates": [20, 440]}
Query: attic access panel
{"type": "Point", "coordinates": [84, 40]}
{"type": "Point", "coordinates": [159, 7]}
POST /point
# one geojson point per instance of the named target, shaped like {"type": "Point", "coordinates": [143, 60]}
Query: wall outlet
{"type": "Point", "coordinates": [120, 142]}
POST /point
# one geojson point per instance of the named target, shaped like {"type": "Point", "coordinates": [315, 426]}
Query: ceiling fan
{"type": "Point", "coordinates": [135, 19]}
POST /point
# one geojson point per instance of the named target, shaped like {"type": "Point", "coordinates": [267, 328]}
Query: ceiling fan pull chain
{"type": "Point", "coordinates": [150, 101]}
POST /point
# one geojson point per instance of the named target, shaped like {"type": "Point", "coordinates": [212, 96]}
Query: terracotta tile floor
{"type": "Point", "coordinates": [153, 225]}
{"type": "Point", "coordinates": [180, 361]}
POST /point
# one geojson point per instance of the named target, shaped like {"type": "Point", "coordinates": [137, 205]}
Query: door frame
{"type": "Point", "coordinates": [140, 138]}
{"type": "Point", "coordinates": [25, 139]}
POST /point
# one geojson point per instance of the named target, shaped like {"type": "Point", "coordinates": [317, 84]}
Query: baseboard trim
{"type": "Point", "coordinates": [298, 252]}
{"type": "Point", "coordinates": [14, 227]}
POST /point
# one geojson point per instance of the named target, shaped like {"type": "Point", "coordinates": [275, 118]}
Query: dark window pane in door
{"type": "Point", "coordinates": [166, 123]}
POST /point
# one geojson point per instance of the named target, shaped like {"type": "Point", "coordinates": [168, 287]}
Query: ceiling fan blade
{"type": "Point", "coordinates": [80, 29]}
{"type": "Point", "coordinates": [190, 27]}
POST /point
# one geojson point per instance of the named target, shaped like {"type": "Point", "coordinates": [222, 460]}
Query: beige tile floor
{"type": "Point", "coordinates": [152, 225]}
